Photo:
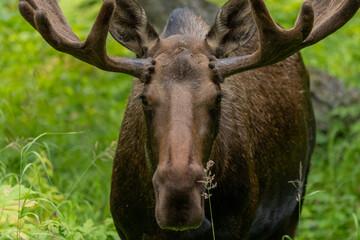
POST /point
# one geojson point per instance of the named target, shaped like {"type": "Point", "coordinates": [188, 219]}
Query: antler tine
{"type": "Point", "coordinates": [276, 44]}
{"type": "Point", "coordinates": [275, 41]}
{"type": "Point", "coordinates": [330, 16]}
{"type": "Point", "coordinates": [47, 18]}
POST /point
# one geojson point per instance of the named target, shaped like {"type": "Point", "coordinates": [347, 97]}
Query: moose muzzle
{"type": "Point", "coordinates": [179, 204]}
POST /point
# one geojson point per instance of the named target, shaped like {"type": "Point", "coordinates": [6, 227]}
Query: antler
{"type": "Point", "coordinates": [47, 18]}
{"type": "Point", "coordinates": [276, 44]}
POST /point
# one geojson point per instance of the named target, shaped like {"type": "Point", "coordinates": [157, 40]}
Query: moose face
{"type": "Point", "coordinates": [181, 104]}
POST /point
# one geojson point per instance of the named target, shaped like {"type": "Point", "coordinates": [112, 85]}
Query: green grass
{"type": "Point", "coordinates": [57, 187]}
{"type": "Point", "coordinates": [33, 207]}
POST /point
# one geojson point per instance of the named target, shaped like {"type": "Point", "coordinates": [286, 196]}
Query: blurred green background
{"type": "Point", "coordinates": [64, 175]}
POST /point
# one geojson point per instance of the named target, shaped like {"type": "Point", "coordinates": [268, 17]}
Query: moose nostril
{"type": "Point", "coordinates": [151, 69]}
{"type": "Point", "coordinates": [156, 187]}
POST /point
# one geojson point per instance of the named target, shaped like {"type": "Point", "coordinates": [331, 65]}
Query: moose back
{"type": "Point", "coordinates": [235, 93]}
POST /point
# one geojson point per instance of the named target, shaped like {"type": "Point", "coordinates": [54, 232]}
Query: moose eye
{"type": "Point", "coordinates": [218, 100]}
{"type": "Point", "coordinates": [144, 100]}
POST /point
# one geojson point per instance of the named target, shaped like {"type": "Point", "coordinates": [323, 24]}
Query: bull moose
{"type": "Point", "coordinates": [236, 93]}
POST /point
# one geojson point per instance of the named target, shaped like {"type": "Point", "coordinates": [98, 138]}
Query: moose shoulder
{"type": "Point", "coordinates": [236, 93]}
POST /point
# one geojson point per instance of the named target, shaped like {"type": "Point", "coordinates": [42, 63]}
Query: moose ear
{"type": "Point", "coordinates": [233, 27]}
{"type": "Point", "coordinates": [131, 28]}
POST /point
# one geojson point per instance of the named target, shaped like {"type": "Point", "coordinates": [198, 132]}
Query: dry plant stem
{"type": "Point", "coordinates": [209, 184]}
{"type": "Point", "coordinates": [211, 217]}
{"type": "Point", "coordinates": [299, 185]}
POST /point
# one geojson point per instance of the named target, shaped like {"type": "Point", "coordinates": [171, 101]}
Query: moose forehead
{"type": "Point", "coordinates": [182, 58]}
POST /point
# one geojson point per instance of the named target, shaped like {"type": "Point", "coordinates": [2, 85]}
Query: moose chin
{"type": "Point", "coordinates": [235, 93]}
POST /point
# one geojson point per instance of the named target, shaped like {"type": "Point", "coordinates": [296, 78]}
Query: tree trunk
{"type": "Point", "coordinates": [328, 93]}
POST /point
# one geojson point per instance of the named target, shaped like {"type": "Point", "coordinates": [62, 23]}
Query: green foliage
{"type": "Point", "coordinates": [57, 186]}
{"type": "Point", "coordinates": [333, 213]}
{"type": "Point", "coordinates": [31, 207]}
